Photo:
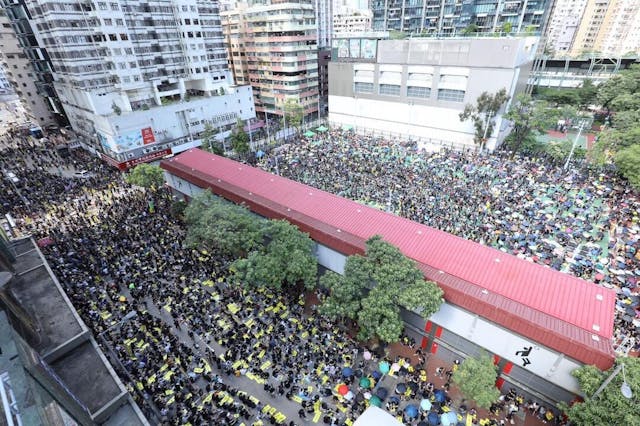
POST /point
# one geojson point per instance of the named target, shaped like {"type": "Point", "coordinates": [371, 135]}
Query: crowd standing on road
{"type": "Point", "coordinates": [580, 221]}
{"type": "Point", "coordinates": [190, 348]}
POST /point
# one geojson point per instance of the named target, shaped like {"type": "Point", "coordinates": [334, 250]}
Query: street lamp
{"type": "Point", "coordinates": [129, 316]}
{"type": "Point", "coordinates": [583, 123]}
{"type": "Point", "coordinates": [625, 389]}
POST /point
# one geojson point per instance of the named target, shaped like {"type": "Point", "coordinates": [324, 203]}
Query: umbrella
{"type": "Point", "coordinates": [382, 393]}
{"type": "Point", "coordinates": [411, 411]}
{"type": "Point", "coordinates": [383, 367]}
{"type": "Point", "coordinates": [376, 374]}
{"type": "Point", "coordinates": [347, 372]}
{"type": "Point", "coordinates": [260, 153]}
{"type": "Point", "coordinates": [401, 388]}
{"type": "Point", "coordinates": [309, 134]}
{"type": "Point", "coordinates": [440, 395]}
{"type": "Point", "coordinates": [365, 382]}
{"type": "Point", "coordinates": [425, 404]}
{"type": "Point", "coordinates": [434, 419]}
{"type": "Point", "coordinates": [343, 389]}
{"type": "Point", "coordinates": [358, 373]}
{"type": "Point", "coordinates": [375, 401]}
{"type": "Point", "coordinates": [395, 367]}
{"type": "Point", "coordinates": [394, 400]}
{"type": "Point", "coordinates": [448, 419]}
{"type": "Point", "coordinates": [367, 395]}
{"type": "Point", "coordinates": [366, 355]}
{"type": "Point", "coordinates": [413, 386]}
{"type": "Point", "coordinates": [423, 424]}
{"type": "Point", "coordinates": [349, 396]}
{"type": "Point", "coordinates": [359, 397]}
{"type": "Point", "coordinates": [322, 129]}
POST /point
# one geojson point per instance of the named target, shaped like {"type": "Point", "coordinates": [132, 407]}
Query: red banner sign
{"type": "Point", "coordinates": [147, 136]}
{"type": "Point", "coordinates": [134, 162]}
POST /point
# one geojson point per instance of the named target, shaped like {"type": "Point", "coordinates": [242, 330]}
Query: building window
{"type": "Point", "coordinates": [450, 95]}
{"type": "Point", "coordinates": [389, 89]}
{"type": "Point", "coordinates": [418, 92]}
{"type": "Point", "coordinates": [363, 88]}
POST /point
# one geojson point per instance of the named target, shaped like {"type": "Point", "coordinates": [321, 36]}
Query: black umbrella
{"type": "Point", "coordinates": [401, 388]}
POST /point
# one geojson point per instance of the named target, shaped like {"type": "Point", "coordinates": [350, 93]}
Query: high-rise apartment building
{"type": "Point", "coordinates": [453, 16]}
{"type": "Point", "coordinates": [273, 47]}
{"type": "Point", "coordinates": [594, 27]}
{"type": "Point", "coordinates": [324, 20]}
{"type": "Point", "coordinates": [44, 110]}
{"type": "Point", "coordinates": [138, 80]}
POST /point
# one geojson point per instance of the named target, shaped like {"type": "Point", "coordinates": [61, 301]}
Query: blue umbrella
{"type": "Point", "coordinates": [425, 405]}
{"type": "Point", "coordinates": [376, 374]}
{"type": "Point", "coordinates": [384, 367]}
{"type": "Point", "coordinates": [411, 411]}
{"type": "Point", "coordinates": [448, 419]}
{"type": "Point", "coordinates": [440, 395]}
{"type": "Point", "coordinates": [260, 153]}
{"type": "Point", "coordinates": [434, 419]}
{"type": "Point", "coordinates": [394, 400]}
{"type": "Point", "coordinates": [347, 372]}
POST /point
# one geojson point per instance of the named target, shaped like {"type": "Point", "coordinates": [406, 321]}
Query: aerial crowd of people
{"type": "Point", "coordinates": [579, 221]}
{"type": "Point", "coordinates": [192, 349]}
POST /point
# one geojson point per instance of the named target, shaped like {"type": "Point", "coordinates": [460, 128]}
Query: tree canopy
{"type": "Point", "coordinates": [619, 142]}
{"type": "Point", "coordinates": [294, 113]}
{"type": "Point", "coordinates": [529, 118]}
{"type": "Point", "coordinates": [374, 287]}
{"type": "Point", "coordinates": [209, 141]}
{"type": "Point", "coordinates": [240, 139]}
{"type": "Point", "coordinates": [285, 259]}
{"type": "Point", "coordinates": [482, 114]}
{"type": "Point", "coordinates": [214, 223]}
{"type": "Point", "coordinates": [476, 378]}
{"type": "Point", "coordinates": [610, 407]}
{"type": "Point", "coordinates": [146, 176]}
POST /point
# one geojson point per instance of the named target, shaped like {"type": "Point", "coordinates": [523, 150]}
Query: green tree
{"type": "Point", "coordinates": [373, 288]}
{"type": "Point", "coordinates": [507, 27]}
{"type": "Point", "coordinates": [559, 150]}
{"type": "Point", "coordinates": [286, 259]}
{"type": "Point", "coordinates": [177, 208]}
{"type": "Point", "coordinates": [217, 224]}
{"type": "Point", "coordinates": [560, 96]}
{"type": "Point", "coordinates": [240, 139]}
{"type": "Point", "coordinates": [146, 176]}
{"type": "Point", "coordinates": [482, 113]}
{"type": "Point", "coordinates": [293, 113]}
{"type": "Point", "coordinates": [470, 29]}
{"type": "Point", "coordinates": [609, 407]}
{"type": "Point", "coordinates": [628, 163]}
{"type": "Point", "coordinates": [620, 92]}
{"type": "Point", "coordinates": [209, 141]}
{"type": "Point", "coordinates": [476, 378]}
{"type": "Point", "coordinates": [528, 118]}
{"type": "Point", "coordinates": [587, 93]}
{"type": "Point", "coordinates": [346, 291]}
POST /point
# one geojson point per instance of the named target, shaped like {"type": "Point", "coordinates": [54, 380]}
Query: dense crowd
{"type": "Point", "coordinates": [193, 350]}
{"type": "Point", "coordinates": [580, 221]}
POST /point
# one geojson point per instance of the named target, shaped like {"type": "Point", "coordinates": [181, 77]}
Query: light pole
{"type": "Point", "coordinates": [486, 129]}
{"type": "Point", "coordinates": [625, 389]}
{"type": "Point", "coordinates": [575, 142]}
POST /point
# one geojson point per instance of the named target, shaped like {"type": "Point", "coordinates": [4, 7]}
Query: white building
{"type": "Point", "coordinates": [417, 88]}
{"type": "Point", "coordinates": [563, 24]}
{"type": "Point", "coordinates": [20, 74]}
{"type": "Point", "coordinates": [137, 79]}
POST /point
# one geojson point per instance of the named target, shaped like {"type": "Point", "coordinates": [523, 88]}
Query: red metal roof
{"type": "Point", "coordinates": [553, 308]}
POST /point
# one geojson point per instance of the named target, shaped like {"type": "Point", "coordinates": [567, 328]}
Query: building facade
{"type": "Point", "coordinates": [273, 47]}
{"type": "Point", "coordinates": [607, 28]}
{"type": "Point", "coordinates": [564, 22]}
{"type": "Point", "coordinates": [352, 22]}
{"type": "Point", "coordinates": [44, 110]}
{"type": "Point", "coordinates": [416, 88]}
{"type": "Point", "coordinates": [453, 16]}
{"type": "Point", "coordinates": [138, 79]}
{"type": "Point", "coordinates": [324, 20]}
